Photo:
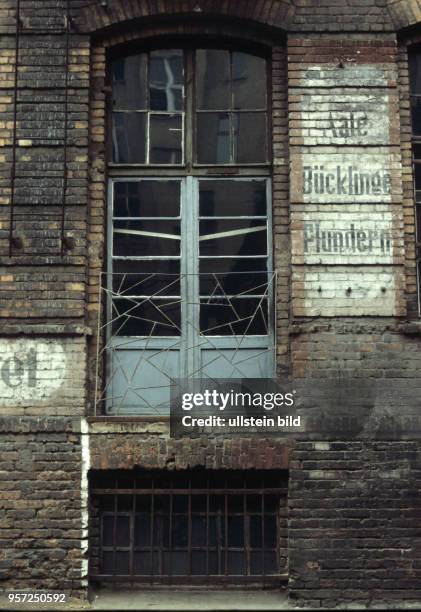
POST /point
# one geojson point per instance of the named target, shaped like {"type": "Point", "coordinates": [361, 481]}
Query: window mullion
{"type": "Point", "coordinates": [189, 108]}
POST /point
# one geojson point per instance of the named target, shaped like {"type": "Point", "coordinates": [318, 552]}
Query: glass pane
{"type": "Point", "coordinates": [147, 199]}
{"type": "Point", "coordinates": [107, 502]}
{"type": "Point", "coordinates": [107, 531]}
{"type": "Point", "coordinates": [166, 133]}
{"type": "Point", "coordinates": [416, 115]}
{"type": "Point", "coordinates": [198, 535]}
{"type": "Point", "coordinates": [161, 530]}
{"type": "Point", "coordinates": [254, 503]}
{"type": "Point", "coordinates": [199, 563]}
{"type": "Point", "coordinates": [245, 237]}
{"type": "Point", "coordinates": [148, 283]}
{"type": "Point", "coordinates": [270, 534]}
{"type": "Point", "coordinates": [222, 317]}
{"type": "Point", "coordinates": [180, 530]}
{"type": "Point", "coordinates": [415, 72]}
{"type": "Point", "coordinates": [146, 238]}
{"type": "Point", "coordinates": [249, 81]}
{"type": "Point", "coordinates": [271, 503]}
{"type": "Point", "coordinates": [143, 503]}
{"type": "Point", "coordinates": [142, 531]}
{"type": "Point", "coordinates": [216, 503]}
{"type": "Point", "coordinates": [418, 220]}
{"type": "Point", "coordinates": [166, 80]}
{"type": "Point", "coordinates": [232, 198]}
{"type": "Point", "coordinates": [129, 82]}
{"type": "Point", "coordinates": [198, 503]}
{"type": "Point", "coordinates": [256, 539]}
{"type": "Point", "coordinates": [123, 531]}
{"type": "Point", "coordinates": [142, 563]}
{"type": "Point", "coordinates": [180, 503]}
{"type": "Point", "coordinates": [107, 562]}
{"type": "Point", "coordinates": [236, 563]}
{"type": "Point", "coordinates": [235, 503]}
{"type": "Point", "coordinates": [250, 138]}
{"type": "Point", "coordinates": [417, 176]}
{"type": "Point", "coordinates": [146, 317]}
{"type": "Point", "coordinates": [219, 266]}
{"type": "Point", "coordinates": [213, 532]}
{"type": "Point", "coordinates": [271, 563]}
{"type": "Point", "coordinates": [124, 502]}
{"type": "Point", "coordinates": [121, 563]}
{"type": "Point", "coordinates": [236, 531]}
{"type": "Point", "coordinates": [176, 563]}
{"type": "Point", "coordinates": [129, 137]}
{"type": "Point", "coordinates": [256, 563]}
{"type": "Point", "coordinates": [213, 84]}
{"type": "Point", "coordinates": [213, 138]}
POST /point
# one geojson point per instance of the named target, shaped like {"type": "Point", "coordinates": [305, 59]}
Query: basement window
{"type": "Point", "coordinates": [196, 528]}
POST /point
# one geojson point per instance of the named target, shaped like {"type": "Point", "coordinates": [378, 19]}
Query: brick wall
{"type": "Point", "coordinates": [354, 528]}
{"type": "Point", "coordinates": [353, 506]}
{"type": "Point", "coordinates": [40, 507]}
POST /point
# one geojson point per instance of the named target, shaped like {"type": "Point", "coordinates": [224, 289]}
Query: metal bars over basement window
{"type": "Point", "coordinates": [190, 529]}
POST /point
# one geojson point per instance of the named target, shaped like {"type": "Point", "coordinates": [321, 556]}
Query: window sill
{"type": "Point", "coordinates": [190, 599]}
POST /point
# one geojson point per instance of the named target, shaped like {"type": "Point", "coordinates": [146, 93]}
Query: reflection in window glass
{"type": "Point", "coordinates": [166, 80]}
{"type": "Point", "coordinates": [142, 86]}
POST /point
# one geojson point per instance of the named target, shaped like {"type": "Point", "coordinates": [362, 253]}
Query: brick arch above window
{"type": "Point", "coordinates": [96, 16]}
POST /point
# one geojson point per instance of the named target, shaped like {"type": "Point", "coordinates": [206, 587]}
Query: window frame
{"type": "Point", "coordinates": [189, 172]}
{"type": "Point", "coordinates": [188, 485]}
{"type": "Point", "coordinates": [189, 114]}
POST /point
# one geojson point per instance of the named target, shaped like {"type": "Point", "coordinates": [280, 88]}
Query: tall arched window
{"type": "Point", "coordinates": [190, 282]}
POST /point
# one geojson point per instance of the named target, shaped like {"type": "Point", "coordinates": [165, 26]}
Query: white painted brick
{"type": "Point", "coordinates": [375, 291]}
{"type": "Point", "coordinates": [42, 375]}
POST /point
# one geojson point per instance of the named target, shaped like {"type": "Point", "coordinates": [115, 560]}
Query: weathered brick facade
{"type": "Point", "coordinates": [344, 251]}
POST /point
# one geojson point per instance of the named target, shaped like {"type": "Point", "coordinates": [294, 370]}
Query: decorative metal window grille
{"type": "Point", "coordinates": [225, 526]}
